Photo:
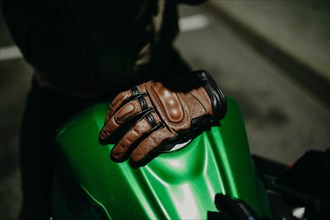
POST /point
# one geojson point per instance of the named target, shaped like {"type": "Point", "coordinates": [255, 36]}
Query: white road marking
{"type": "Point", "coordinates": [193, 22]}
{"type": "Point", "coordinates": [10, 53]}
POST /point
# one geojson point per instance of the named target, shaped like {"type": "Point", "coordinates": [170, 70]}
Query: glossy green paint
{"type": "Point", "coordinates": [176, 185]}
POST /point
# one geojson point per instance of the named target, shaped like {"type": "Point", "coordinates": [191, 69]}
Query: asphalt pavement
{"type": "Point", "coordinates": [283, 119]}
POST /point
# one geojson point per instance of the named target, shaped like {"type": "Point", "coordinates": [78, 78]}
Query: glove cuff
{"type": "Point", "coordinates": [217, 97]}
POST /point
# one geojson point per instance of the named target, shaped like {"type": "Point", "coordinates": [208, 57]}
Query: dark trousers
{"type": "Point", "coordinates": [45, 111]}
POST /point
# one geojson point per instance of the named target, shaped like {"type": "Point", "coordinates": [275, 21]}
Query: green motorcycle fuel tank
{"type": "Point", "coordinates": [177, 185]}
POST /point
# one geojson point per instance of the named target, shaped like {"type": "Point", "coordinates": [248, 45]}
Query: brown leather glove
{"type": "Point", "coordinates": [154, 116]}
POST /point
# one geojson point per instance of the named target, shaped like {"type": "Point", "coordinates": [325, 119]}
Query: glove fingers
{"type": "Point", "coordinates": [123, 98]}
{"type": "Point", "coordinates": [118, 118]}
{"type": "Point", "coordinates": [121, 151]}
{"type": "Point", "coordinates": [116, 103]}
{"type": "Point", "coordinates": [149, 144]}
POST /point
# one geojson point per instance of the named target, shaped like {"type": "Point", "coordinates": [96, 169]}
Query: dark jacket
{"type": "Point", "coordinates": [94, 46]}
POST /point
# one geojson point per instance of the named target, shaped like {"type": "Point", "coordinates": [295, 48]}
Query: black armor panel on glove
{"type": "Point", "coordinates": [154, 116]}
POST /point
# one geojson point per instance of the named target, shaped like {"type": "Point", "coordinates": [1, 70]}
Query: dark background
{"type": "Point", "coordinates": [271, 56]}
